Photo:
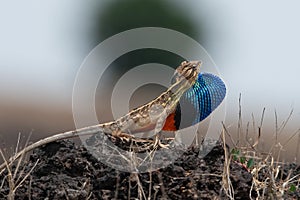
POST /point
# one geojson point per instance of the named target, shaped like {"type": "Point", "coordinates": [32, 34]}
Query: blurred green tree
{"type": "Point", "coordinates": [118, 16]}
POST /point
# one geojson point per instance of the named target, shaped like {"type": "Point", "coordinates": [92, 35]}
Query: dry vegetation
{"type": "Point", "coordinates": [272, 178]}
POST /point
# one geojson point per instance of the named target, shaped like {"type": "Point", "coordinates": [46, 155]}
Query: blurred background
{"type": "Point", "coordinates": [255, 45]}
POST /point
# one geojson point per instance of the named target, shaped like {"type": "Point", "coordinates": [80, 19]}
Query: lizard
{"type": "Point", "coordinates": [184, 77]}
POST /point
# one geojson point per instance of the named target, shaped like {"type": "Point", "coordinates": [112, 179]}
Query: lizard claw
{"type": "Point", "coordinates": [157, 142]}
{"type": "Point", "coordinates": [165, 146]}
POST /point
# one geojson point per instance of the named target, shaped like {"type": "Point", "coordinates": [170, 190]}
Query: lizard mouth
{"type": "Point", "coordinates": [196, 65]}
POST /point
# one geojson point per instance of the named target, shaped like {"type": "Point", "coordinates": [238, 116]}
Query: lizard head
{"type": "Point", "coordinates": [187, 71]}
{"type": "Point", "coordinates": [185, 76]}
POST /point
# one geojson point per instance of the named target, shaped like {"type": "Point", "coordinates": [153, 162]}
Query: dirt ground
{"type": "Point", "coordinates": [69, 171]}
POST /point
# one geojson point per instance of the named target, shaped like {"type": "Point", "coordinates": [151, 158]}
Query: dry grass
{"type": "Point", "coordinates": [15, 177]}
{"type": "Point", "coordinates": [266, 168]}
{"type": "Point", "coordinates": [226, 182]}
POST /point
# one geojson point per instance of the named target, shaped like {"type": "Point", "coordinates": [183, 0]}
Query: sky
{"type": "Point", "coordinates": [254, 43]}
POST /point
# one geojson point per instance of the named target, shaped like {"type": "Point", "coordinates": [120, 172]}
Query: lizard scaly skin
{"type": "Point", "coordinates": [185, 76]}
{"type": "Point", "coordinates": [140, 118]}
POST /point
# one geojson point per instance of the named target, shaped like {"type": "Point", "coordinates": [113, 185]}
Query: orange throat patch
{"type": "Point", "coordinates": [170, 123]}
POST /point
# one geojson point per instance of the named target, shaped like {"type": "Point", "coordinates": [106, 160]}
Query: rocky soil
{"type": "Point", "coordinates": [69, 171]}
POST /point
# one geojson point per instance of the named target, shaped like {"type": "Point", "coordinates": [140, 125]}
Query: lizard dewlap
{"type": "Point", "coordinates": [198, 102]}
